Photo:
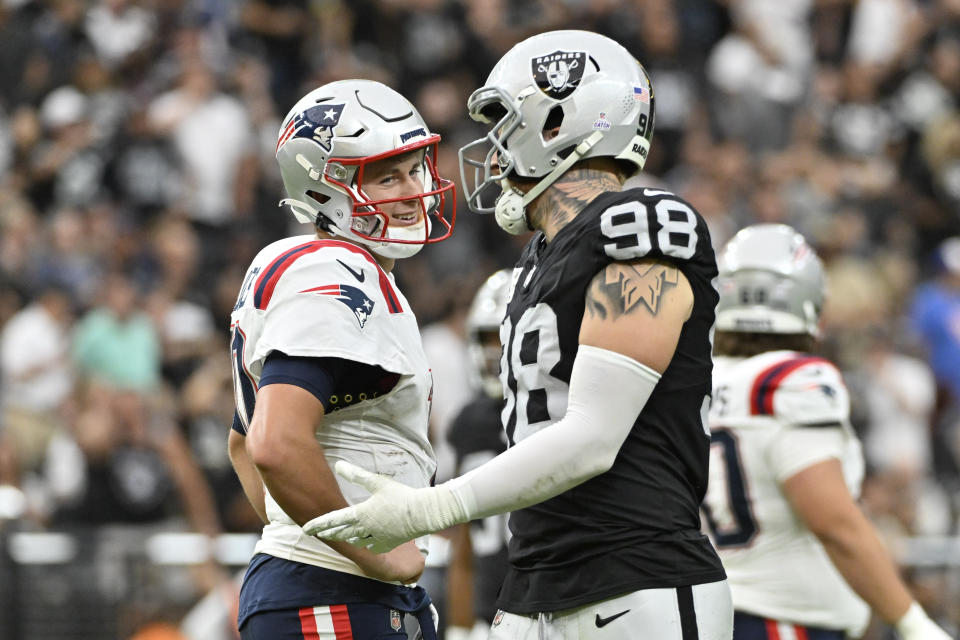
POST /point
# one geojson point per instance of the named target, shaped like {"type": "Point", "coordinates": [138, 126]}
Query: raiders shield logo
{"type": "Point", "coordinates": [559, 73]}
{"type": "Point", "coordinates": [395, 622]}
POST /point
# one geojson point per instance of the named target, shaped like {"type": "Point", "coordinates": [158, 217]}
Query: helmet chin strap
{"type": "Point", "coordinates": [511, 208]}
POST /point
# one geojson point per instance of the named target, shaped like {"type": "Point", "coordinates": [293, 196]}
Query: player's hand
{"type": "Point", "coordinates": [403, 564]}
{"type": "Point", "coordinates": [917, 625]}
{"type": "Point", "coordinates": [393, 514]}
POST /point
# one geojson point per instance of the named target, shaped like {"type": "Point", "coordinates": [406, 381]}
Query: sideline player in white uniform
{"type": "Point", "coordinates": [328, 364]}
{"type": "Point", "coordinates": [785, 464]}
{"type": "Point", "coordinates": [606, 365]}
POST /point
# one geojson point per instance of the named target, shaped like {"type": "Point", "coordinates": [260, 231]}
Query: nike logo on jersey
{"type": "Point", "coordinates": [359, 275]}
{"type": "Point", "coordinates": [602, 622]}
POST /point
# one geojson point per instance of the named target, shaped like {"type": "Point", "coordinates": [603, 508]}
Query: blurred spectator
{"type": "Point", "coordinates": [116, 343]}
{"type": "Point", "coordinates": [761, 70]}
{"type": "Point", "coordinates": [935, 314]}
{"type": "Point", "coordinates": [936, 317]}
{"type": "Point", "coordinates": [144, 172]}
{"type": "Point", "coordinates": [280, 28]}
{"type": "Point", "coordinates": [184, 323]}
{"type": "Point", "coordinates": [37, 375]}
{"type": "Point", "coordinates": [206, 406]}
{"type": "Point", "coordinates": [118, 29]}
{"type": "Point", "coordinates": [126, 462]}
{"type": "Point", "coordinates": [445, 345]}
{"type": "Point", "coordinates": [211, 132]}
{"type": "Point", "coordinates": [67, 168]}
{"type": "Point", "coordinates": [941, 152]}
{"type": "Point", "coordinates": [900, 395]}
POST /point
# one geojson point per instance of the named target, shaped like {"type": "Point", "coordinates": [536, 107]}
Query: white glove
{"type": "Point", "coordinates": [917, 625]}
{"type": "Point", "coordinates": [393, 514]}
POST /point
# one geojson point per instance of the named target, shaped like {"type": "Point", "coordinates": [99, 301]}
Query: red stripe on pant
{"type": "Point", "coordinates": [341, 622]}
{"type": "Point", "coordinates": [773, 633]}
{"type": "Point", "coordinates": [308, 624]}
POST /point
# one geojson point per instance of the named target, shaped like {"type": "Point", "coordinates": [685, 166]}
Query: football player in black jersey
{"type": "Point", "coordinates": [606, 365]}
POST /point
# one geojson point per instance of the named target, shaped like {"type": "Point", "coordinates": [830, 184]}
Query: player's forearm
{"type": "Point", "coordinates": [863, 560]}
{"type": "Point", "coordinates": [296, 473]}
{"type": "Point", "coordinates": [247, 473]}
{"type": "Point", "coordinates": [607, 392]}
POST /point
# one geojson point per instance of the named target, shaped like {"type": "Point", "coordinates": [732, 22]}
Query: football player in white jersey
{"type": "Point", "coordinates": [605, 369]}
{"type": "Point", "coordinates": [328, 364]}
{"type": "Point", "coordinates": [803, 561]}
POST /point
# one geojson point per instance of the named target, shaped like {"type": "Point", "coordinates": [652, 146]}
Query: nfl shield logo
{"type": "Point", "coordinates": [559, 73]}
{"type": "Point", "coordinates": [497, 619]}
{"type": "Point", "coordinates": [395, 622]}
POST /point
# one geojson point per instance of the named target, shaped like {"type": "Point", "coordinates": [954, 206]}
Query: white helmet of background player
{"type": "Point", "coordinates": [583, 82]}
{"type": "Point", "coordinates": [325, 144]}
{"type": "Point", "coordinates": [487, 311]}
{"type": "Point", "coordinates": [771, 281]}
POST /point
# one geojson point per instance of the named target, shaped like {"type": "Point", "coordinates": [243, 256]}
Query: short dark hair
{"type": "Point", "coordinates": [745, 345]}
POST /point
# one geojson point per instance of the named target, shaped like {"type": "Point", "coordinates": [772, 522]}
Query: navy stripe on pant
{"type": "Point", "coordinates": [751, 627]}
{"type": "Point", "coordinates": [367, 622]}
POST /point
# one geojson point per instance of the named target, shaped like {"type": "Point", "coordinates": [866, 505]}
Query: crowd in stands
{"type": "Point", "coordinates": [137, 181]}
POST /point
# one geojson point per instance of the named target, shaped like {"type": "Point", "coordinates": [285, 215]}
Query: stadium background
{"type": "Point", "coordinates": [137, 181]}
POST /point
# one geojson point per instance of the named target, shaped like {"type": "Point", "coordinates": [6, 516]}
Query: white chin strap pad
{"type": "Point", "coordinates": [511, 211]}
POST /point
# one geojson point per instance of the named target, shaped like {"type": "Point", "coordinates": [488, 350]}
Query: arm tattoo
{"type": "Point", "coordinates": [622, 288]}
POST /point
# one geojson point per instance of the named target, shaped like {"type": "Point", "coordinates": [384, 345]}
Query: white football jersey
{"type": "Point", "coordinates": [329, 298]}
{"type": "Point", "coordinates": [772, 416]}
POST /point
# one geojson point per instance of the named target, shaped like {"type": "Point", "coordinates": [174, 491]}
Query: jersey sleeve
{"type": "Point", "coordinates": [809, 392]}
{"type": "Point", "coordinates": [809, 398]}
{"type": "Point", "coordinates": [793, 450]}
{"type": "Point", "coordinates": [330, 304]}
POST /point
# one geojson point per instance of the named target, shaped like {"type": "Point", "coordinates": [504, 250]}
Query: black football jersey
{"type": "Point", "coordinates": [637, 526]}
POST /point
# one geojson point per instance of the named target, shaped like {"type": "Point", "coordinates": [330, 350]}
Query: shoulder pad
{"type": "Point", "coordinates": [801, 390]}
{"type": "Point", "coordinates": [320, 266]}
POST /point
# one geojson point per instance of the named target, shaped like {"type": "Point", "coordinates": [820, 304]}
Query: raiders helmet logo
{"type": "Point", "coordinates": [559, 73]}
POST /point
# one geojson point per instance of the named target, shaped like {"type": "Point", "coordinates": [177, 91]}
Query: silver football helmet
{"type": "Point", "coordinates": [325, 144]}
{"type": "Point", "coordinates": [771, 281]}
{"type": "Point", "coordinates": [486, 312]}
{"type": "Point", "coordinates": [586, 84]}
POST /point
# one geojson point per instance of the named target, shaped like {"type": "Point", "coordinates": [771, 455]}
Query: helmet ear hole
{"type": "Point", "coordinates": [554, 121]}
{"type": "Point", "coordinates": [319, 197]}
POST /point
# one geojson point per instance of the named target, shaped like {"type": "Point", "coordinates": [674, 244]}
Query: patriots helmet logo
{"type": "Point", "coordinates": [315, 123]}
{"type": "Point", "coordinates": [359, 302]}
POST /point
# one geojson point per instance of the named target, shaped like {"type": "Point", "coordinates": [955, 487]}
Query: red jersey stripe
{"type": "Point", "coordinates": [767, 381]}
{"type": "Point", "coordinates": [801, 632]}
{"type": "Point", "coordinates": [267, 281]}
